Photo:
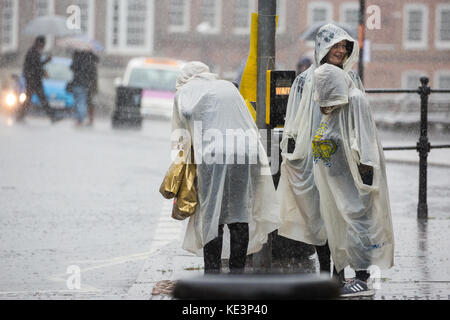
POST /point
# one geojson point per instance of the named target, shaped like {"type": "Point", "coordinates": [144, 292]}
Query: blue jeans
{"type": "Point", "coordinates": [80, 96]}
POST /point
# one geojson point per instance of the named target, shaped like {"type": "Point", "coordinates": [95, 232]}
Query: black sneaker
{"type": "Point", "coordinates": [356, 288]}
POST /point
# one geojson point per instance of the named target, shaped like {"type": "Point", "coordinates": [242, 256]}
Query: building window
{"type": "Point", "coordinates": [415, 28]}
{"type": "Point", "coordinates": [130, 27]}
{"type": "Point", "coordinates": [442, 79]}
{"type": "Point", "coordinates": [319, 11]}
{"type": "Point", "coordinates": [179, 14]}
{"type": "Point", "coordinates": [242, 16]}
{"type": "Point", "coordinates": [282, 16]}
{"type": "Point", "coordinates": [212, 14]}
{"type": "Point", "coordinates": [443, 26]}
{"type": "Point", "coordinates": [136, 24]}
{"type": "Point", "coordinates": [350, 14]}
{"type": "Point", "coordinates": [44, 7]}
{"type": "Point", "coordinates": [411, 79]}
{"type": "Point", "coordinates": [9, 25]}
{"type": "Point", "coordinates": [87, 11]}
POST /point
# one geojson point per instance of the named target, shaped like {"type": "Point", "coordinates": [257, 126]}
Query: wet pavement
{"type": "Point", "coordinates": [84, 197]}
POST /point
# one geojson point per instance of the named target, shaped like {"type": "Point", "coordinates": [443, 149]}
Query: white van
{"type": "Point", "coordinates": [157, 77]}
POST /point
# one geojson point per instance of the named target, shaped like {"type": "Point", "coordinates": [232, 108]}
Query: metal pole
{"type": "Point", "coordinates": [267, 9]}
{"type": "Point", "coordinates": [423, 147]}
{"type": "Point", "coordinates": [362, 18]}
{"type": "Point", "coordinates": [266, 54]}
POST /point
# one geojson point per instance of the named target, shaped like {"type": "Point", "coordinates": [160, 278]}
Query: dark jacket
{"type": "Point", "coordinates": [33, 68]}
{"type": "Point", "coordinates": [84, 67]}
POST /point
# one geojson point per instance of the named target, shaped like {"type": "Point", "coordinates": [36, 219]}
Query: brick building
{"type": "Point", "coordinates": [413, 38]}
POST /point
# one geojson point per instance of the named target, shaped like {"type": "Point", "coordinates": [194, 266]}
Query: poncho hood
{"type": "Point", "coordinates": [327, 36]}
{"type": "Point", "coordinates": [194, 70]}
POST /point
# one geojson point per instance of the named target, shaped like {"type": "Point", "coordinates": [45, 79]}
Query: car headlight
{"type": "Point", "coordinates": [22, 97]}
{"type": "Point", "coordinates": [11, 100]}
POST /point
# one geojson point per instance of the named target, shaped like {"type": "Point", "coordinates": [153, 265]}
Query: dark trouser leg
{"type": "Point", "coordinates": [239, 237]}
{"type": "Point", "coordinates": [44, 103]}
{"type": "Point", "coordinates": [362, 275]}
{"type": "Point", "coordinates": [212, 252]}
{"type": "Point", "coordinates": [91, 108]}
{"type": "Point", "coordinates": [23, 107]}
{"type": "Point", "coordinates": [323, 253]}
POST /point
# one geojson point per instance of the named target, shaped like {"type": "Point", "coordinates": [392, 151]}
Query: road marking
{"type": "Point", "coordinates": [168, 229]}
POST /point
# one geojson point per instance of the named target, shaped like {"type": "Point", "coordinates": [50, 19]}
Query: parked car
{"type": "Point", "coordinates": [157, 78]}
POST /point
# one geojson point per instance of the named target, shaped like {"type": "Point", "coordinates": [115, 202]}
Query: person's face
{"type": "Point", "coordinates": [41, 46]}
{"type": "Point", "coordinates": [337, 53]}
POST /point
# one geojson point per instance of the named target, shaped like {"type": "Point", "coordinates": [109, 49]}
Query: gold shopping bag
{"type": "Point", "coordinates": [180, 183]}
{"type": "Point", "coordinates": [186, 201]}
{"type": "Point", "coordinates": [172, 181]}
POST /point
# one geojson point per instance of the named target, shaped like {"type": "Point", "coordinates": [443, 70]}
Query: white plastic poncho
{"type": "Point", "coordinates": [357, 216]}
{"type": "Point", "coordinates": [234, 179]}
{"type": "Point", "coordinates": [300, 209]}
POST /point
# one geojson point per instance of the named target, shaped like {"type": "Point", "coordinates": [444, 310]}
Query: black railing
{"type": "Point", "coordinates": [423, 146]}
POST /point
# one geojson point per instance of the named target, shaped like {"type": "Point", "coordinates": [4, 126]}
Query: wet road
{"type": "Point", "coordinates": [77, 197]}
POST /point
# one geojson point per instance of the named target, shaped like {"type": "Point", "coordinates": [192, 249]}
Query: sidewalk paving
{"type": "Point", "coordinates": [168, 263]}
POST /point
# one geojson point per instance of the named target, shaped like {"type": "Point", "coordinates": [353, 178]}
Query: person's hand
{"type": "Point", "coordinates": [49, 58]}
{"type": "Point", "coordinates": [326, 110]}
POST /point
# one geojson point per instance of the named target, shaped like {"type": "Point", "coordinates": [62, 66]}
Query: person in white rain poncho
{"type": "Point", "coordinates": [300, 211]}
{"type": "Point", "coordinates": [349, 171]}
{"type": "Point", "coordinates": [235, 186]}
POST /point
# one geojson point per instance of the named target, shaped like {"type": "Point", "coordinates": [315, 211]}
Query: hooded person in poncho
{"type": "Point", "coordinates": [300, 203]}
{"type": "Point", "coordinates": [235, 186]}
{"type": "Point", "coordinates": [350, 174]}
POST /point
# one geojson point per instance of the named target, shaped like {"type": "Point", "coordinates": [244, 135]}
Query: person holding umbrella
{"type": "Point", "coordinates": [84, 83]}
{"type": "Point", "coordinates": [33, 71]}
{"type": "Point", "coordinates": [85, 60]}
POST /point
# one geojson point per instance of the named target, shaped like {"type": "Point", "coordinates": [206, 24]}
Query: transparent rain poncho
{"type": "Point", "coordinates": [356, 216]}
{"type": "Point", "coordinates": [300, 211]}
{"type": "Point", "coordinates": [233, 174]}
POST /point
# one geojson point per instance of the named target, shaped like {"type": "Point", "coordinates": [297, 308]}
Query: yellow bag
{"type": "Point", "coordinates": [180, 182]}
